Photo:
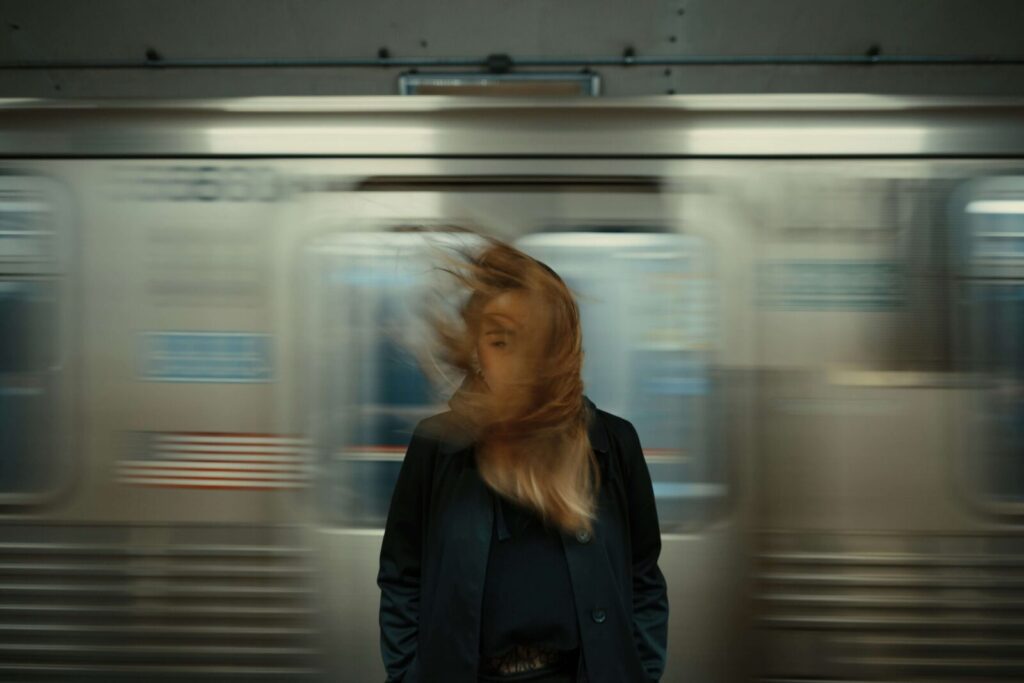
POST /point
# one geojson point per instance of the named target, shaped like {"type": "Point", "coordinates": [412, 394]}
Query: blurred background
{"type": "Point", "coordinates": [796, 230]}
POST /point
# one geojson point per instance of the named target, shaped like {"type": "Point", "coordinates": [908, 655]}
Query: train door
{"type": "Point", "coordinates": [136, 378]}
{"type": "Point", "coordinates": [876, 429]}
{"type": "Point", "coordinates": [648, 305]}
{"type": "Point", "coordinates": [988, 291]}
{"type": "Point", "coordinates": [35, 319]}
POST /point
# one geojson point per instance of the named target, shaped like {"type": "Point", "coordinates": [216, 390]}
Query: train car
{"type": "Point", "coordinates": [212, 358]}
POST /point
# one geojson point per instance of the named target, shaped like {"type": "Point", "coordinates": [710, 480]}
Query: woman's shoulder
{"type": "Point", "coordinates": [434, 425]}
{"type": "Point", "coordinates": [619, 428]}
{"type": "Point", "coordinates": [443, 431]}
{"type": "Point", "coordinates": [615, 436]}
{"type": "Point", "coordinates": [607, 430]}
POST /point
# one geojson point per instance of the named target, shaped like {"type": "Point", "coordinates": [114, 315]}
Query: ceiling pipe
{"type": "Point", "coordinates": [627, 59]}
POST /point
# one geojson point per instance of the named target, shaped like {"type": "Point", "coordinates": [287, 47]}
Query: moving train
{"type": "Point", "coordinates": [812, 308]}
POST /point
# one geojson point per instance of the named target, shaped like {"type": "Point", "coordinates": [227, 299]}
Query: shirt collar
{"type": "Point", "coordinates": [595, 429]}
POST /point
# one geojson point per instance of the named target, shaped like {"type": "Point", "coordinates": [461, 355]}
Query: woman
{"type": "Point", "coordinates": [522, 540]}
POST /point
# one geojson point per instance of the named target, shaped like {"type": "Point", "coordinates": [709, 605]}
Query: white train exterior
{"type": "Point", "coordinates": [811, 307]}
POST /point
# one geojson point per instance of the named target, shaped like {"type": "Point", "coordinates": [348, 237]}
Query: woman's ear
{"type": "Point", "coordinates": [475, 369]}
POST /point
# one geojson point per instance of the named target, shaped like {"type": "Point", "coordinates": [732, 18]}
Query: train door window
{"type": "Point", "coordinates": [990, 268]}
{"type": "Point", "coordinates": [645, 305]}
{"type": "Point", "coordinates": [30, 343]}
{"type": "Point", "coordinates": [645, 293]}
{"type": "Point", "coordinates": [369, 387]}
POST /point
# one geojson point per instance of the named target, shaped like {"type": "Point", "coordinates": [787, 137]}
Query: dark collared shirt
{"type": "Point", "coordinates": [527, 591]}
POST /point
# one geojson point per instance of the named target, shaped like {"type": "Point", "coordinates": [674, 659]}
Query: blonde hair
{"type": "Point", "coordinates": [538, 455]}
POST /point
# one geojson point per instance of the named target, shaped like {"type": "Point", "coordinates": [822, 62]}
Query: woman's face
{"type": "Point", "coordinates": [511, 331]}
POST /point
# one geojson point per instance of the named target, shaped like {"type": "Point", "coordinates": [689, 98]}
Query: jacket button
{"type": "Point", "coordinates": [598, 616]}
{"type": "Point", "coordinates": [583, 536]}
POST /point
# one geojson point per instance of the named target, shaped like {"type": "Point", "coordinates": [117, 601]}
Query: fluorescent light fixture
{"type": "Point", "coordinates": [996, 206]}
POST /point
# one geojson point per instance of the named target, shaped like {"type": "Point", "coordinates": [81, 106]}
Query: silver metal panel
{"type": "Point", "coordinates": [892, 607]}
{"type": "Point", "coordinates": [151, 603]}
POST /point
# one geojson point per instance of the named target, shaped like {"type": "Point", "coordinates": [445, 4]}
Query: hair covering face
{"type": "Point", "coordinates": [518, 344]}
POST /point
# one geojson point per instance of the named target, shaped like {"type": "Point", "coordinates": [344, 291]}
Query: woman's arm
{"type": "Point", "coordinates": [400, 560]}
{"type": "Point", "coordinates": [650, 594]}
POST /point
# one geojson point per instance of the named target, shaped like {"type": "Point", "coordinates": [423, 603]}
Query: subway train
{"type": "Point", "coordinates": [211, 360]}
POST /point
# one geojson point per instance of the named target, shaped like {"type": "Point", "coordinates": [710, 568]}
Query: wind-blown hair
{"type": "Point", "coordinates": [533, 449]}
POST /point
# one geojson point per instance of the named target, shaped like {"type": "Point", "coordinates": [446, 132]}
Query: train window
{"type": "Point", "coordinates": [990, 255]}
{"type": "Point", "coordinates": [646, 313]}
{"type": "Point", "coordinates": [370, 391]}
{"type": "Point", "coordinates": [29, 346]}
{"type": "Point", "coordinates": [645, 304]}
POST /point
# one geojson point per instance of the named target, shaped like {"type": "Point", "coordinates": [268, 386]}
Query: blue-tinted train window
{"type": "Point", "coordinates": [27, 311]}
{"type": "Point", "coordinates": [990, 270]}
{"type": "Point", "coordinates": [645, 304]}
{"type": "Point", "coordinates": [29, 345]}
{"type": "Point", "coordinates": [646, 313]}
{"type": "Point", "coordinates": [372, 391]}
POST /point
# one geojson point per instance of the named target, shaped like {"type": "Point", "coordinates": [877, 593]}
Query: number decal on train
{"type": "Point", "coordinates": [192, 183]}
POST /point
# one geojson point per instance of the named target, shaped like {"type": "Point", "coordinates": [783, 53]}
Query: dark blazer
{"type": "Point", "coordinates": [434, 559]}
